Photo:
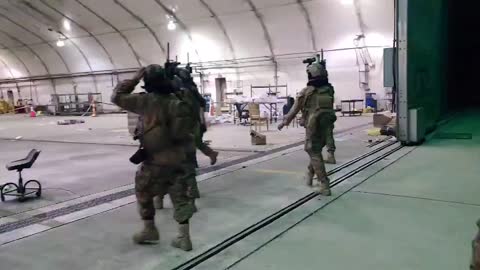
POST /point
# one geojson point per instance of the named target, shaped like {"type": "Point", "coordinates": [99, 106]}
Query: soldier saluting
{"type": "Point", "coordinates": [167, 133]}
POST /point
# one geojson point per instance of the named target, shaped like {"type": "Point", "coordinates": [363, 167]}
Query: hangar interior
{"type": "Point", "coordinates": [405, 186]}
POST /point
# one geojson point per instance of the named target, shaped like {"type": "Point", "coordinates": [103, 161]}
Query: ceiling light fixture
{"type": "Point", "coordinates": [60, 42]}
{"type": "Point", "coordinates": [67, 25]}
{"type": "Point", "coordinates": [171, 25]}
{"type": "Point", "coordinates": [346, 2]}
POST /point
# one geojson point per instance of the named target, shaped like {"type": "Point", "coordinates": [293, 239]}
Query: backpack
{"type": "Point", "coordinates": [319, 109]}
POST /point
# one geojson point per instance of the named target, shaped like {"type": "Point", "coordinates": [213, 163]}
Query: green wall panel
{"type": "Point", "coordinates": [427, 57]}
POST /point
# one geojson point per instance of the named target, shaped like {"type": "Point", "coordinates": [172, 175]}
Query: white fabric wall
{"type": "Point", "coordinates": [239, 35]}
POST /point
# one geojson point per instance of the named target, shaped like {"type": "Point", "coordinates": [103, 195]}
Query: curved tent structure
{"type": "Point", "coordinates": [54, 46]}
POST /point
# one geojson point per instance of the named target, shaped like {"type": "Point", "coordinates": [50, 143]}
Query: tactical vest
{"type": "Point", "coordinates": [318, 107]}
{"type": "Point", "coordinates": [168, 130]}
{"type": "Point", "coordinates": [188, 97]}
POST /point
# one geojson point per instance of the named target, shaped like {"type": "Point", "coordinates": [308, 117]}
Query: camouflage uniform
{"type": "Point", "coordinates": [190, 95]}
{"type": "Point", "coordinates": [167, 134]}
{"type": "Point", "coordinates": [192, 162]}
{"type": "Point", "coordinates": [157, 112]}
{"type": "Point", "coordinates": [475, 264]}
{"type": "Point", "coordinates": [330, 139]}
{"type": "Point", "coordinates": [318, 116]}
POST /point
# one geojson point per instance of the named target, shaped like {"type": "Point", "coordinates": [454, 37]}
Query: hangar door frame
{"type": "Point", "coordinates": [410, 122]}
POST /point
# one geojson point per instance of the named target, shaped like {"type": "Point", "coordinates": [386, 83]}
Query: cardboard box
{"type": "Point", "coordinates": [257, 138]}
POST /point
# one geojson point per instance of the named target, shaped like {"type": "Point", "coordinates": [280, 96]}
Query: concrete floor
{"type": "Point", "coordinates": [414, 210]}
{"type": "Point", "coordinates": [230, 202]}
{"type": "Point", "coordinates": [112, 129]}
{"type": "Point", "coordinates": [84, 159]}
{"type": "Point", "coordinates": [420, 213]}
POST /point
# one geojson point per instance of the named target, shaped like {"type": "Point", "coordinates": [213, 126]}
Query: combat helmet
{"type": "Point", "coordinates": [317, 70]}
{"type": "Point", "coordinates": [156, 80]}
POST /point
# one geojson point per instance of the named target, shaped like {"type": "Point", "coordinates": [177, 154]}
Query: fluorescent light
{"type": "Point", "coordinates": [60, 43]}
{"type": "Point", "coordinates": [66, 25]}
{"type": "Point", "coordinates": [171, 25]}
{"type": "Point", "coordinates": [346, 2]}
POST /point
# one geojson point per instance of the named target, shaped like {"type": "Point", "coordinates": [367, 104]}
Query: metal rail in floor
{"type": "Point", "coordinates": [384, 151]}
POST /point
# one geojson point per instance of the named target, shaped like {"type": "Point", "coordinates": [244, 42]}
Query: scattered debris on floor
{"type": "Point", "coordinates": [374, 132]}
{"type": "Point", "coordinates": [387, 131]}
{"type": "Point", "coordinates": [380, 120]}
{"type": "Point", "coordinates": [378, 140]}
{"type": "Point", "coordinates": [385, 125]}
{"type": "Point", "coordinates": [384, 131]}
{"type": "Point", "coordinates": [222, 119]}
{"type": "Point", "coordinates": [258, 138]}
{"type": "Point", "coordinates": [5, 107]}
{"type": "Point", "coordinates": [70, 122]}
{"type": "Point", "coordinates": [368, 110]}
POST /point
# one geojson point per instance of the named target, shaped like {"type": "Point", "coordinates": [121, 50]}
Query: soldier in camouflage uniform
{"type": "Point", "coordinates": [330, 139]}
{"type": "Point", "coordinates": [166, 137]}
{"type": "Point", "coordinates": [316, 102]}
{"type": "Point", "coordinates": [188, 92]}
{"type": "Point", "coordinates": [475, 264]}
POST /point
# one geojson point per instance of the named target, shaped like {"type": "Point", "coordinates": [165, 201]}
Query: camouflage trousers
{"type": "Point", "coordinates": [152, 180]}
{"type": "Point", "coordinates": [330, 140]}
{"type": "Point", "coordinates": [315, 141]}
{"type": "Point", "coordinates": [192, 163]}
{"type": "Point", "coordinates": [475, 263]}
{"type": "Point", "coordinates": [192, 186]}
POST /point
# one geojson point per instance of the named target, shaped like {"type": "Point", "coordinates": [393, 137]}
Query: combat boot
{"type": "Point", "coordinates": [183, 241]}
{"type": "Point", "coordinates": [149, 234]}
{"type": "Point", "coordinates": [331, 158]}
{"type": "Point", "coordinates": [158, 202]}
{"type": "Point", "coordinates": [324, 188]}
{"type": "Point", "coordinates": [213, 157]}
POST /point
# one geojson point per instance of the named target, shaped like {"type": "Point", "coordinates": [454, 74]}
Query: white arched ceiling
{"type": "Point", "coordinates": [32, 60]}
{"type": "Point", "coordinates": [123, 34]}
{"type": "Point", "coordinates": [13, 61]}
{"type": "Point", "coordinates": [277, 25]}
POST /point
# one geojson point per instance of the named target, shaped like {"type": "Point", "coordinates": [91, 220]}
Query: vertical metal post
{"type": "Point", "coordinates": [220, 87]}
{"type": "Point", "coordinates": [402, 71]}
{"type": "Point", "coordinates": [275, 77]}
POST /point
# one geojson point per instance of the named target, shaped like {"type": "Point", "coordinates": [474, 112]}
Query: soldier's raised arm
{"type": "Point", "coordinates": [122, 94]}
{"type": "Point", "coordinates": [297, 107]}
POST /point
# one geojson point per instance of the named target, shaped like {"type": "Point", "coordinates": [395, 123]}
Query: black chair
{"type": "Point", "coordinates": [20, 190]}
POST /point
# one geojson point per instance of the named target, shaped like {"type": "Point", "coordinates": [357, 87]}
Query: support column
{"type": "Point", "coordinates": [220, 87]}
{"type": "Point", "coordinates": [401, 54]}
